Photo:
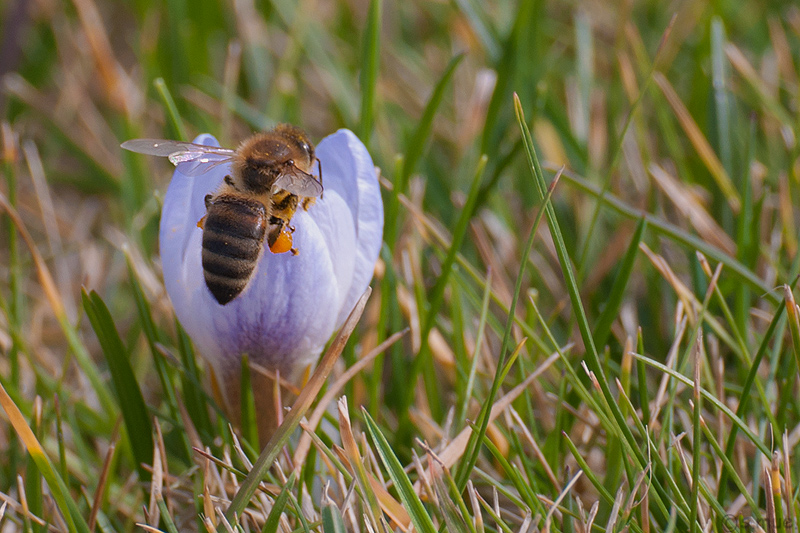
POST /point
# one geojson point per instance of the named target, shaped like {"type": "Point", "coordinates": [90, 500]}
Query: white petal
{"type": "Point", "coordinates": [334, 218]}
{"type": "Point", "coordinates": [344, 156]}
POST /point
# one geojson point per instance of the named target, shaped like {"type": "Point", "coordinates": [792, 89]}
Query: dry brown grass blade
{"type": "Point", "coordinates": [769, 488]}
{"type": "Point", "coordinates": [72, 125]}
{"type": "Point", "coordinates": [561, 495]}
{"type": "Point", "coordinates": [688, 204]}
{"type": "Point", "coordinates": [118, 87]}
{"type": "Point", "coordinates": [188, 426]}
{"type": "Point", "coordinates": [383, 500]}
{"type": "Point", "coordinates": [101, 485]}
{"type": "Point", "coordinates": [9, 142]}
{"type": "Point", "coordinates": [156, 486]}
{"type": "Point", "coordinates": [230, 78]}
{"type": "Point", "coordinates": [372, 507]}
{"type": "Point", "coordinates": [458, 445]}
{"type": "Point", "coordinates": [148, 528]}
{"type": "Point", "coordinates": [304, 445]}
{"type": "Point", "coordinates": [615, 510]}
{"type": "Point", "coordinates": [45, 278]}
{"type": "Point", "coordinates": [786, 212]}
{"type": "Point", "coordinates": [746, 70]}
{"type": "Point", "coordinates": [527, 436]}
{"type": "Point", "coordinates": [661, 395]}
{"type": "Point", "coordinates": [389, 505]}
{"type": "Point", "coordinates": [23, 496]}
{"type": "Point", "coordinates": [699, 141]}
{"type": "Point", "coordinates": [17, 507]}
{"type": "Point", "coordinates": [64, 277]}
{"type": "Point", "coordinates": [681, 290]}
{"type": "Point", "coordinates": [783, 53]}
{"type": "Point", "coordinates": [476, 508]}
{"type": "Point", "coordinates": [208, 504]}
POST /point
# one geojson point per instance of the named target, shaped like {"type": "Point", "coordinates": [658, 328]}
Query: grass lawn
{"type": "Point", "coordinates": [582, 315]}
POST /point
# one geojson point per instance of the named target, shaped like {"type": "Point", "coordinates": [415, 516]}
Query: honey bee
{"type": "Point", "coordinates": [270, 178]}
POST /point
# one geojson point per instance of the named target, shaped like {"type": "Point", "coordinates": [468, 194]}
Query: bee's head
{"type": "Point", "coordinates": [298, 139]}
{"type": "Point", "coordinates": [261, 159]}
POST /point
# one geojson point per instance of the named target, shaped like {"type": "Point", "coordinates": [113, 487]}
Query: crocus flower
{"type": "Point", "coordinates": [293, 303]}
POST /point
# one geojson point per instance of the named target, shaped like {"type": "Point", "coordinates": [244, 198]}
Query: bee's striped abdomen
{"type": "Point", "coordinates": [233, 235]}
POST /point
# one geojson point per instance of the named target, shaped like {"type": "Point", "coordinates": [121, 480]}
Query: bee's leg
{"type": "Point", "coordinates": [294, 251]}
{"type": "Point", "coordinates": [308, 202]}
{"type": "Point", "coordinates": [290, 227]}
{"type": "Point", "coordinates": [319, 163]}
{"type": "Point", "coordinates": [202, 222]}
{"type": "Point", "coordinates": [229, 181]}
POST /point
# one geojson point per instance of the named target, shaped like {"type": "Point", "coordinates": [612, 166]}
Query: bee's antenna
{"type": "Point", "coordinates": [319, 162]}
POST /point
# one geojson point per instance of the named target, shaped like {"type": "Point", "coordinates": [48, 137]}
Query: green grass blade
{"type": "Point", "coordinates": [370, 65]}
{"type": "Point", "coordinates": [480, 25]}
{"type": "Point", "coordinates": [747, 232]}
{"type": "Point", "coordinates": [602, 327]}
{"type": "Point", "coordinates": [745, 397]}
{"type": "Point", "coordinates": [454, 494]}
{"type": "Point", "coordinates": [473, 367]}
{"type": "Point", "coordinates": [722, 108]}
{"type": "Point", "coordinates": [247, 405]}
{"type": "Point", "coordinates": [436, 297]}
{"type": "Point", "coordinates": [592, 357]}
{"type": "Point", "coordinates": [476, 437]}
{"type": "Point", "coordinates": [644, 397]}
{"type": "Point", "coordinates": [274, 516]}
{"type": "Point", "coordinates": [58, 487]}
{"type": "Point", "coordinates": [506, 61]}
{"type": "Point", "coordinates": [730, 469]}
{"type": "Point", "coordinates": [62, 451]}
{"type": "Point", "coordinates": [526, 492]}
{"type": "Point", "coordinates": [419, 516]}
{"type": "Point", "coordinates": [619, 141]}
{"type": "Point", "coordinates": [793, 314]}
{"type": "Point", "coordinates": [175, 120]}
{"type": "Point", "coordinates": [737, 421]}
{"type": "Point", "coordinates": [194, 397]}
{"type": "Point", "coordinates": [33, 480]}
{"type": "Point", "coordinates": [455, 522]}
{"type": "Point", "coordinates": [16, 300]}
{"type": "Point", "coordinates": [473, 448]}
{"type": "Point", "coordinates": [129, 396]}
{"type": "Point", "coordinates": [419, 141]}
{"type": "Point", "coordinates": [697, 432]}
{"type": "Point", "coordinates": [152, 335]}
{"type": "Point", "coordinates": [332, 521]}
{"type": "Point", "coordinates": [166, 516]}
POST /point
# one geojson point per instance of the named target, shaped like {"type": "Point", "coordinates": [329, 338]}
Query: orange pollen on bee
{"type": "Point", "coordinates": [283, 243]}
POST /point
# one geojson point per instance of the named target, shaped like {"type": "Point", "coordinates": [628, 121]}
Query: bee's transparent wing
{"type": "Point", "coordinates": [194, 164]}
{"type": "Point", "coordinates": [191, 159]}
{"type": "Point", "coordinates": [298, 182]}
